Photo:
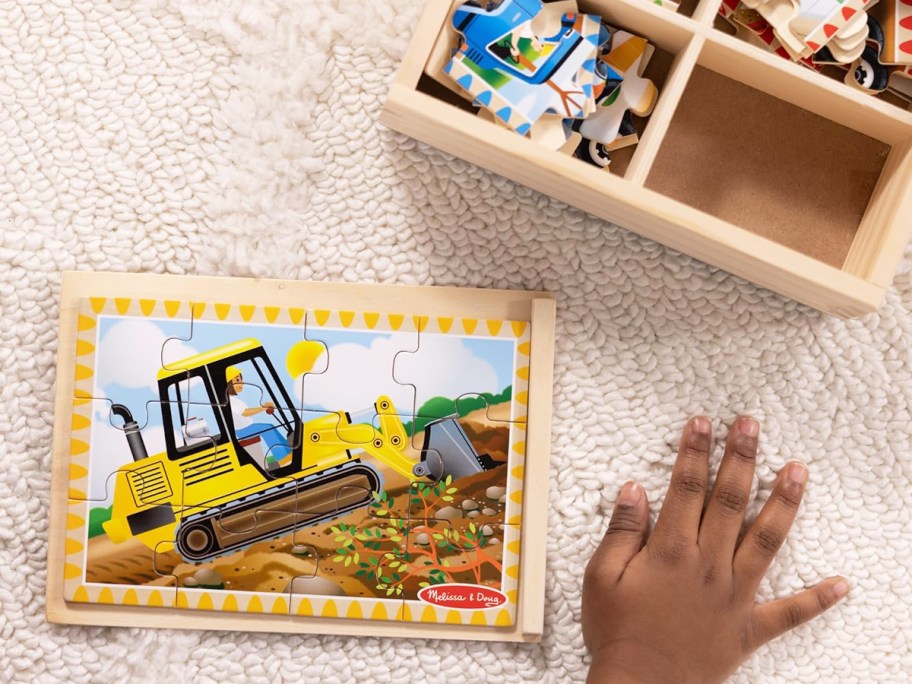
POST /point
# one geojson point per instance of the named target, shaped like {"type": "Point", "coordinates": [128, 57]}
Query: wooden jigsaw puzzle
{"type": "Point", "coordinates": [314, 462]}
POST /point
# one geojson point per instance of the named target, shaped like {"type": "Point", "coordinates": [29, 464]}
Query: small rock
{"type": "Point", "coordinates": [208, 578]}
{"type": "Point", "coordinates": [448, 513]}
{"type": "Point", "coordinates": [469, 505]}
{"type": "Point", "coordinates": [493, 540]}
{"type": "Point", "coordinates": [502, 499]}
{"type": "Point", "coordinates": [494, 493]}
{"type": "Point", "coordinates": [302, 550]}
{"type": "Point", "coordinates": [487, 530]}
{"type": "Point", "coordinates": [313, 585]}
{"type": "Point", "coordinates": [422, 539]}
{"type": "Point", "coordinates": [472, 514]}
{"type": "Point", "coordinates": [488, 511]}
{"type": "Point", "coordinates": [191, 583]}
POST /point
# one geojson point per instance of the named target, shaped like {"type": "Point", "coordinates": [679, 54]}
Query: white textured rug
{"type": "Point", "coordinates": [241, 139]}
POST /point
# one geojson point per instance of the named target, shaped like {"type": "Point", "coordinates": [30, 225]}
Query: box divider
{"type": "Point", "coordinates": [614, 199]}
{"type": "Point", "coordinates": [441, 51]}
{"type": "Point", "coordinates": [886, 227]}
{"type": "Point", "coordinates": [706, 12]}
{"type": "Point", "coordinates": [669, 97]}
{"type": "Point", "coordinates": [425, 35]}
{"type": "Point", "coordinates": [663, 28]}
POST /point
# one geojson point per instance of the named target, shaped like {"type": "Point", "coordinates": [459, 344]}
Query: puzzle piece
{"type": "Point", "coordinates": [175, 349]}
{"type": "Point", "coordinates": [258, 579]}
{"type": "Point", "coordinates": [452, 572]}
{"type": "Point", "coordinates": [551, 131]}
{"type": "Point", "coordinates": [143, 495]}
{"type": "Point", "coordinates": [804, 27]}
{"type": "Point", "coordinates": [305, 586]}
{"type": "Point", "coordinates": [505, 67]}
{"type": "Point", "coordinates": [437, 371]}
{"type": "Point", "coordinates": [360, 351]}
{"type": "Point", "coordinates": [626, 59]}
{"type": "Point", "coordinates": [894, 21]}
{"type": "Point", "coordinates": [351, 545]}
{"type": "Point", "coordinates": [283, 507]}
{"type": "Point", "coordinates": [345, 587]}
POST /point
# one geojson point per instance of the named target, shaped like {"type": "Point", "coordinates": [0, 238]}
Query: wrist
{"type": "Point", "coordinates": [610, 673]}
{"type": "Point", "coordinates": [623, 665]}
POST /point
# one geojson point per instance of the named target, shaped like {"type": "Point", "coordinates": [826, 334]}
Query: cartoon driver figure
{"type": "Point", "coordinates": [276, 446]}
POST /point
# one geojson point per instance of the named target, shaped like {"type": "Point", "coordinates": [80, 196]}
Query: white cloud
{"type": "Point", "coordinates": [357, 375]}
{"type": "Point", "coordinates": [445, 367]}
{"type": "Point", "coordinates": [131, 352]}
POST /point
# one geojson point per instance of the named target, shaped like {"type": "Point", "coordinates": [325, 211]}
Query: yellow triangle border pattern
{"type": "Point", "coordinates": [77, 590]}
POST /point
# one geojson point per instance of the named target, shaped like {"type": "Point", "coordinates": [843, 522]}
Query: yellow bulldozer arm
{"type": "Point", "coordinates": [387, 444]}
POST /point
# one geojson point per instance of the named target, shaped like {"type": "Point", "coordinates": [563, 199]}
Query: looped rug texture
{"type": "Point", "coordinates": [241, 138]}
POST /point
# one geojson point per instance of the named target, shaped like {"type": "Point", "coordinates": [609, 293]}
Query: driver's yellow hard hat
{"type": "Point", "coordinates": [231, 373]}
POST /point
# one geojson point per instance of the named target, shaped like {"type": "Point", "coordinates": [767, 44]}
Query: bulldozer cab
{"type": "Point", "coordinates": [231, 395]}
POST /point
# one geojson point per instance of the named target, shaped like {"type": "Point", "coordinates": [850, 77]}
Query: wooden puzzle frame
{"type": "Point", "coordinates": [678, 210]}
{"type": "Point", "coordinates": [536, 308]}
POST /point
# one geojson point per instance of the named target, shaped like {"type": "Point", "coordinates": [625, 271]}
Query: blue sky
{"type": "Point", "coordinates": [359, 370]}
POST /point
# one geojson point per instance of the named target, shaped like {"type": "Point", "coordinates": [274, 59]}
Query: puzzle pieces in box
{"type": "Point", "coordinates": [842, 26]}
{"type": "Point", "coordinates": [492, 62]}
{"type": "Point", "coordinates": [518, 75]}
{"type": "Point", "coordinates": [893, 21]}
{"type": "Point", "coordinates": [627, 92]}
{"type": "Point", "coordinates": [857, 43]}
{"type": "Point", "coordinates": [886, 63]}
{"type": "Point", "coordinates": [805, 27]}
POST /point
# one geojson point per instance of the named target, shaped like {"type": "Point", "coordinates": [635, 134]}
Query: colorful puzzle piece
{"type": "Point", "coordinates": [610, 127]}
{"type": "Point", "coordinates": [519, 76]}
{"type": "Point", "coordinates": [805, 27]}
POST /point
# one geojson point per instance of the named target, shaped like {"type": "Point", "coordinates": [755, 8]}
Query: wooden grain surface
{"type": "Point", "coordinates": [768, 166]}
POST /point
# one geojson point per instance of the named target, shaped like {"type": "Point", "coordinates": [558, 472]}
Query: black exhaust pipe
{"type": "Point", "coordinates": [131, 430]}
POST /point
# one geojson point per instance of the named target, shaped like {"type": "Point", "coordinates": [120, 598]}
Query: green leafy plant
{"type": "Point", "coordinates": [382, 557]}
{"type": "Point", "coordinates": [97, 516]}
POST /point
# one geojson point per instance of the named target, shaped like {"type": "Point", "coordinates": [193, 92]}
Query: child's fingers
{"type": "Point", "coordinates": [679, 521]}
{"type": "Point", "coordinates": [725, 511]}
{"type": "Point", "coordinates": [764, 538]}
{"type": "Point", "coordinates": [777, 617]}
{"type": "Point", "coordinates": [626, 533]}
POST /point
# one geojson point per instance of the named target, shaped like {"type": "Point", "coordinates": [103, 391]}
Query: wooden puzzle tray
{"type": "Point", "coordinates": [750, 162]}
{"type": "Point", "coordinates": [300, 457]}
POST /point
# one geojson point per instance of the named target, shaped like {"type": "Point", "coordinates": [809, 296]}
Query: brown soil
{"type": "Point", "coordinates": [270, 565]}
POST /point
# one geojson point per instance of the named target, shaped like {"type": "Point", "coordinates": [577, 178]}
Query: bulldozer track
{"type": "Point", "coordinates": [277, 511]}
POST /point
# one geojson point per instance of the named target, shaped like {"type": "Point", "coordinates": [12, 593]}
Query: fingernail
{"type": "Point", "coordinates": [700, 425]}
{"type": "Point", "coordinates": [840, 589]}
{"type": "Point", "coordinates": [750, 427]}
{"type": "Point", "coordinates": [796, 474]}
{"type": "Point", "coordinates": [630, 495]}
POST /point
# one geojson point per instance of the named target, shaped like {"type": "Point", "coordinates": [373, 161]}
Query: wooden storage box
{"type": "Point", "coordinates": [754, 164]}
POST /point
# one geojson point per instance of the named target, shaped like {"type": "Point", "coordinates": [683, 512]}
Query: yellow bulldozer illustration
{"type": "Point", "coordinates": [233, 474]}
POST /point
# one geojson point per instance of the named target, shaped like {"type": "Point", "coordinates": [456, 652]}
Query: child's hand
{"type": "Point", "coordinates": [681, 608]}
